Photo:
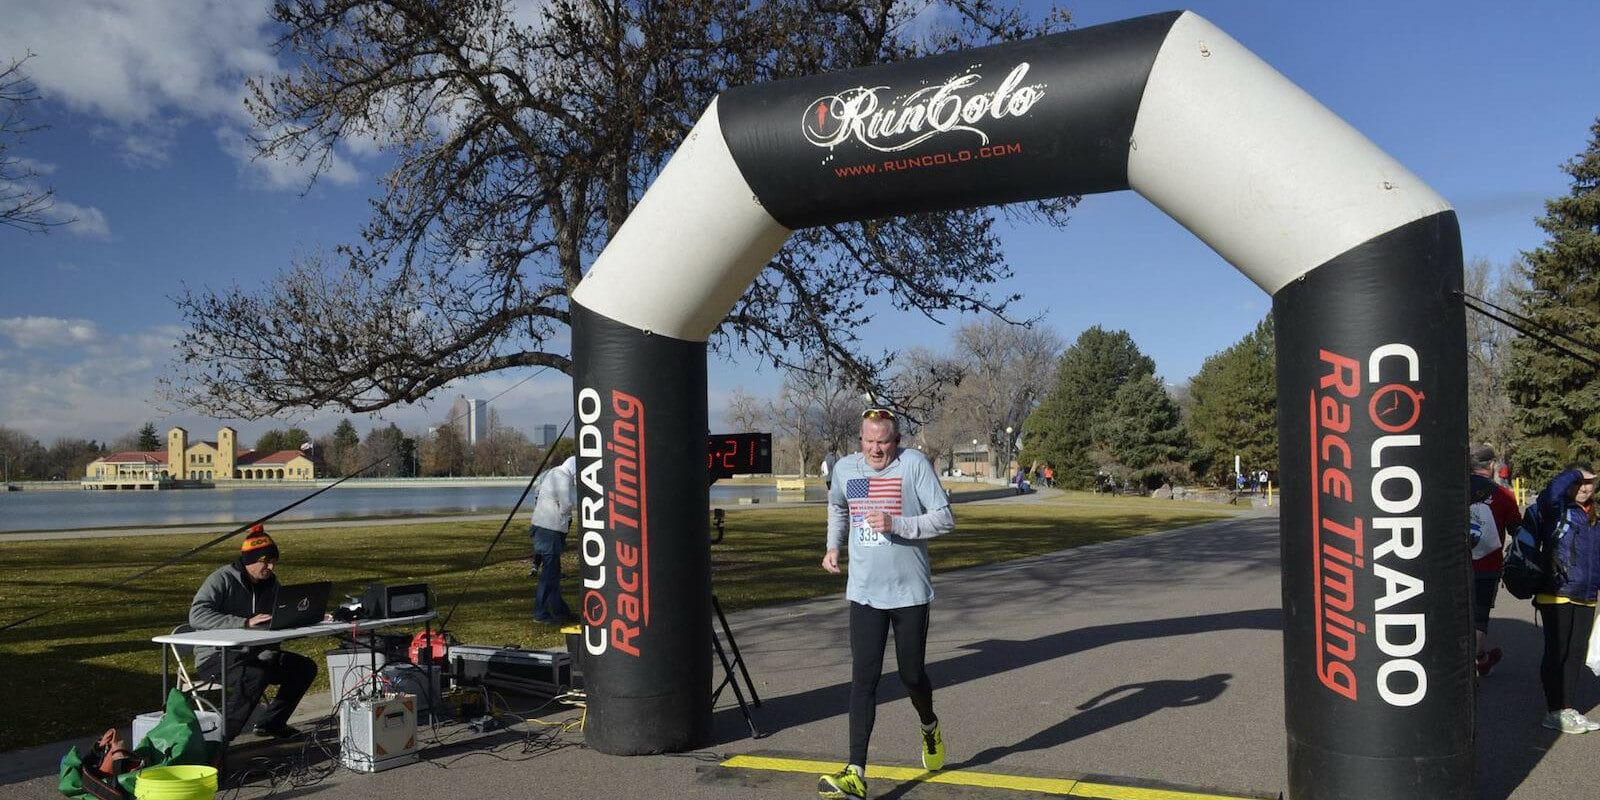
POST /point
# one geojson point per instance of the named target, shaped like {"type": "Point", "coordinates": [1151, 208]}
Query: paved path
{"type": "Point", "coordinates": [1151, 659]}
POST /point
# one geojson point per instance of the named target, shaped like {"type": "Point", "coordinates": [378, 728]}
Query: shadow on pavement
{"type": "Point", "coordinates": [993, 656]}
{"type": "Point", "coordinates": [1114, 707]}
{"type": "Point", "coordinates": [1511, 742]}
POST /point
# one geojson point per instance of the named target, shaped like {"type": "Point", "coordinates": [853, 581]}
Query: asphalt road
{"type": "Point", "coordinates": [1150, 661]}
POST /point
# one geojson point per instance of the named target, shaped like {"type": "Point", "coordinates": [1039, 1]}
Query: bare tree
{"type": "Point", "coordinates": [747, 413]}
{"type": "Point", "coordinates": [1489, 408]}
{"type": "Point", "coordinates": [443, 451]}
{"type": "Point", "coordinates": [519, 149]}
{"type": "Point", "coordinates": [925, 380]}
{"type": "Point", "coordinates": [24, 203]}
{"type": "Point", "coordinates": [1006, 368]}
{"type": "Point", "coordinates": [505, 451]}
{"type": "Point", "coordinates": [813, 412]}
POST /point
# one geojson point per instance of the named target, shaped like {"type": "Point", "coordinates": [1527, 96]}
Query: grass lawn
{"type": "Point", "coordinates": [88, 663]}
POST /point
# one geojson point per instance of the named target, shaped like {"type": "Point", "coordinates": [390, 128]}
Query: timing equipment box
{"type": "Point", "coordinates": [350, 673]}
{"type": "Point", "coordinates": [541, 672]}
{"type": "Point", "coordinates": [378, 733]}
{"type": "Point", "coordinates": [423, 682]}
{"type": "Point", "coordinates": [380, 601]}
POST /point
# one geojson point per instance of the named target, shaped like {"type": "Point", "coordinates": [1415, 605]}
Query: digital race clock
{"type": "Point", "coordinates": [729, 454]}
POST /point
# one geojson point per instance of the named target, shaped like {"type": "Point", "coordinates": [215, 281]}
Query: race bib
{"type": "Point", "coordinates": [865, 536]}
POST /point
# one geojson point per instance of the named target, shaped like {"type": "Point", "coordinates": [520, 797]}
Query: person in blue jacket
{"type": "Point", "coordinates": [1565, 511]}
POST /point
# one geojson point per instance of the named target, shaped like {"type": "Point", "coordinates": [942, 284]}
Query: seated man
{"type": "Point", "coordinates": [240, 595]}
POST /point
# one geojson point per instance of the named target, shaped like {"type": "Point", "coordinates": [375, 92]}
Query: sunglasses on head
{"type": "Point", "coordinates": [877, 413]}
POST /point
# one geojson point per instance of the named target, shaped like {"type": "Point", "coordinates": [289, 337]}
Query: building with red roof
{"type": "Point", "coordinates": [185, 461]}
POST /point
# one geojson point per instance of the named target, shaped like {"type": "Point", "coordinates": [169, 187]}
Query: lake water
{"type": "Point", "coordinates": [68, 510]}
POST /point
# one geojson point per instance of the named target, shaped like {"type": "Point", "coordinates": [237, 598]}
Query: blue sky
{"type": "Point", "coordinates": [1484, 101]}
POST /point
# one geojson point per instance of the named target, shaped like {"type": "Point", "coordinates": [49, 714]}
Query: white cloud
{"type": "Point", "coordinates": [34, 333]}
{"type": "Point", "coordinates": [73, 218]}
{"type": "Point", "coordinates": [281, 173]}
{"type": "Point", "coordinates": [144, 66]}
{"type": "Point", "coordinates": [80, 220]}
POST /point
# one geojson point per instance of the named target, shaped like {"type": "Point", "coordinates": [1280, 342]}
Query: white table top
{"type": "Point", "coordinates": [244, 637]}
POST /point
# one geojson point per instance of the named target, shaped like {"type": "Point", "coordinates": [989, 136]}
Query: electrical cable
{"type": "Point", "coordinates": [1525, 320]}
{"type": "Point", "coordinates": [1526, 331]}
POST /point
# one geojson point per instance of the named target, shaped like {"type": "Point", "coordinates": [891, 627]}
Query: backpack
{"type": "Point", "coordinates": [1529, 568]}
{"type": "Point", "coordinates": [1482, 532]}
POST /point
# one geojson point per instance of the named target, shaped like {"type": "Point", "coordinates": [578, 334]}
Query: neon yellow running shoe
{"type": "Point", "coordinates": [846, 784]}
{"type": "Point", "coordinates": [933, 749]}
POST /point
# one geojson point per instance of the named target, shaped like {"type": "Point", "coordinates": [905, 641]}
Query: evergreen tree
{"type": "Point", "coordinates": [1556, 394]}
{"type": "Point", "coordinates": [149, 440]}
{"type": "Point", "coordinates": [1233, 407]}
{"type": "Point", "coordinates": [1060, 432]}
{"type": "Point", "coordinates": [271, 442]}
{"type": "Point", "coordinates": [343, 448]}
{"type": "Point", "coordinates": [1143, 434]}
{"type": "Point", "coordinates": [278, 439]}
{"type": "Point", "coordinates": [294, 437]}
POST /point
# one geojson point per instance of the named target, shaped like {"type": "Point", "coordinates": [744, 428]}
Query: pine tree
{"type": "Point", "coordinates": [1233, 407]}
{"type": "Point", "coordinates": [149, 440]}
{"type": "Point", "coordinates": [343, 449]}
{"type": "Point", "coordinates": [1143, 434]}
{"type": "Point", "coordinates": [1556, 394]}
{"type": "Point", "coordinates": [1060, 432]}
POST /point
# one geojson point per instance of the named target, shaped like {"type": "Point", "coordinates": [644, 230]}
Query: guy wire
{"type": "Point", "coordinates": [248, 525]}
{"type": "Point", "coordinates": [445, 623]}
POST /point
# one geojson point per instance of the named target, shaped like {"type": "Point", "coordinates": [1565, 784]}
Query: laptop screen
{"type": "Point", "coordinates": [299, 605]}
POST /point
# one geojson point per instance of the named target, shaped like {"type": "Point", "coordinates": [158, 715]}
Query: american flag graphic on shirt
{"type": "Point", "coordinates": [865, 495]}
{"type": "Point", "coordinates": [873, 494]}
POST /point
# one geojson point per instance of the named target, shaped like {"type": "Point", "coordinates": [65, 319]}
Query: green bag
{"type": "Point", "coordinates": [176, 739]}
{"type": "Point", "coordinates": [71, 782]}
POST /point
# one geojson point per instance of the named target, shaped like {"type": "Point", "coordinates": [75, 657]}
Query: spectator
{"type": "Point", "coordinates": [555, 494]}
{"type": "Point", "coordinates": [1565, 512]}
{"type": "Point", "coordinates": [1486, 568]}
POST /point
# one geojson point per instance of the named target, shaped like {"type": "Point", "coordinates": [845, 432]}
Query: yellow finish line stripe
{"type": "Point", "coordinates": [990, 780]}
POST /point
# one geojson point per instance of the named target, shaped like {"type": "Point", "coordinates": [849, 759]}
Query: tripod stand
{"type": "Point", "coordinates": [728, 677]}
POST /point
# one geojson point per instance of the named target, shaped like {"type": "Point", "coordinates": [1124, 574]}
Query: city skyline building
{"type": "Point", "coordinates": [471, 418]}
{"type": "Point", "coordinates": [544, 434]}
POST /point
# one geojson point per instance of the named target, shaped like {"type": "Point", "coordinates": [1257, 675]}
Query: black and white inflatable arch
{"type": "Point", "coordinates": [1361, 259]}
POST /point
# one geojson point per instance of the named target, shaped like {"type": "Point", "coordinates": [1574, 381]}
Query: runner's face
{"type": "Point", "coordinates": [877, 442]}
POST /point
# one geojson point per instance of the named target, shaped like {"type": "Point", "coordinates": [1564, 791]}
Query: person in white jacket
{"type": "Point", "coordinates": [555, 494]}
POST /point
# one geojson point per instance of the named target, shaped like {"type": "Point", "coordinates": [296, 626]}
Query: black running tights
{"type": "Point", "coordinates": [1566, 642]}
{"type": "Point", "coordinates": [869, 633]}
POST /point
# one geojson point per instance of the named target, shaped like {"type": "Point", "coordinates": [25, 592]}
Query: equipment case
{"type": "Point", "coordinates": [541, 672]}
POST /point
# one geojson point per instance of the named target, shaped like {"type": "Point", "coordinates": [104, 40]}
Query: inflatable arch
{"type": "Point", "coordinates": [1361, 259]}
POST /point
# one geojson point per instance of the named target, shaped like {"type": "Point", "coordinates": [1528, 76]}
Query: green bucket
{"type": "Point", "coordinates": [178, 782]}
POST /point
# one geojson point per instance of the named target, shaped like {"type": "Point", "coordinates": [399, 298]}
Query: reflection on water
{"type": "Point", "coordinates": [67, 510]}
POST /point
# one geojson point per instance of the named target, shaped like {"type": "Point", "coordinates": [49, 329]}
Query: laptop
{"type": "Point", "coordinates": [299, 605]}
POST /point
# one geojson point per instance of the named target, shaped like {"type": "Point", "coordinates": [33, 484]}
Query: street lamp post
{"type": "Point", "coordinates": [974, 460]}
{"type": "Point", "coordinates": [1008, 451]}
